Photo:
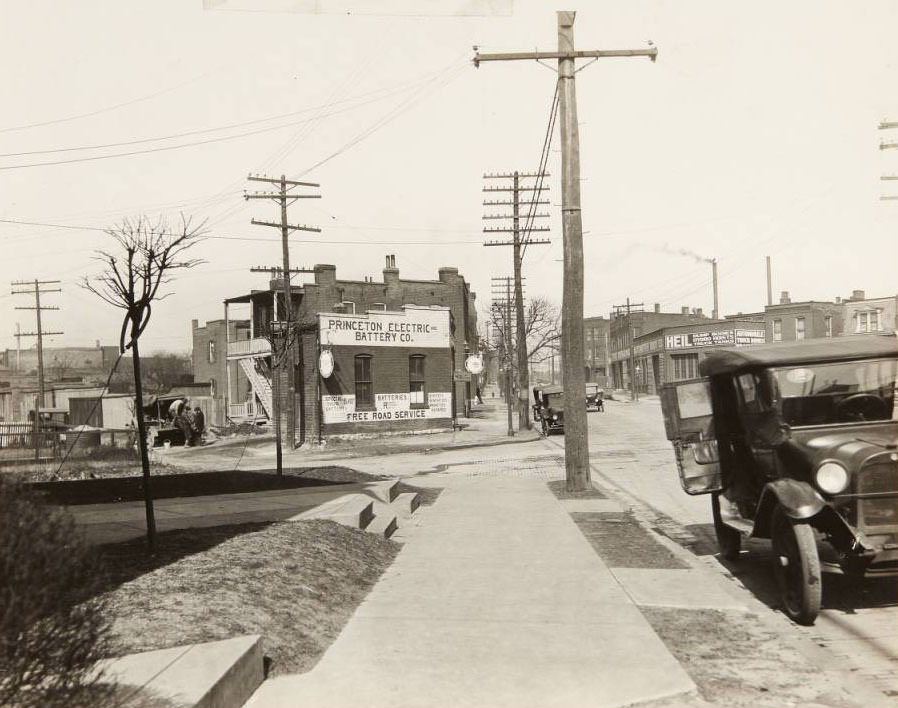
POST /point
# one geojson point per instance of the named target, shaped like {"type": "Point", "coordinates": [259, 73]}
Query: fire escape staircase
{"type": "Point", "coordinates": [259, 378]}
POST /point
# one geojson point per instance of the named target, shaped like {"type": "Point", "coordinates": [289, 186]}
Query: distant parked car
{"type": "Point", "coordinates": [595, 397]}
{"type": "Point", "coordinates": [548, 408]}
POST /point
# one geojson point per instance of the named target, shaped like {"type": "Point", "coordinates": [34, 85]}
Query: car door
{"type": "Point", "coordinates": [689, 424]}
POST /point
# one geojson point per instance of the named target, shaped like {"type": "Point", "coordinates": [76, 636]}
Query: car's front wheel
{"type": "Point", "coordinates": [797, 568]}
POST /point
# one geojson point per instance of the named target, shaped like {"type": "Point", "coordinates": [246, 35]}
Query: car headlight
{"type": "Point", "coordinates": [832, 477]}
{"type": "Point", "coordinates": [555, 417]}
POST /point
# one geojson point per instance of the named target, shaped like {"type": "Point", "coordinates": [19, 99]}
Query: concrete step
{"type": "Point", "coordinates": [406, 504]}
{"type": "Point", "coordinates": [385, 492]}
{"type": "Point", "coordinates": [353, 510]}
{"type": "Point", "coordinates": [383, 525]}
{"type": "Point", "coordinates": [208, 675]}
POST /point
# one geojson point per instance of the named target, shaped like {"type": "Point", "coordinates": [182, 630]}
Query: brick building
{"type": "Point", "coordinates": [596, 353]}
{"type": "Point", "coordinates": [212, 366]}
{"type": "Point", "coordinates": [641, 323]}
{"type": "Point", "coordinates": [673, 353]}
{"type": "Point", "coordinates": [789, 321]}
{"type": "Point", "coordinates": [299, 384]}
{"type": "Point", "coordinates": [869, 316]}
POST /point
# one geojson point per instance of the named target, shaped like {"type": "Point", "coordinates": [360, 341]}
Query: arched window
{"type": "Point", "coordinates": [416, 387]}
{"type": "Point", "coordinates": [364, 382]}
{"type": "Point", "coordinates": [211, 351]}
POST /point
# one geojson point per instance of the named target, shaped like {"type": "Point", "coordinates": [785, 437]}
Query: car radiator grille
{"type": "Point", "coordinates": [879, 476]}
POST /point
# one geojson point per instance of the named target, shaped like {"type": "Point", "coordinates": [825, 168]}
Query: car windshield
{"type": "Point", "coordinates": [842, 392]}
{"type": "Point", "coordinates": [554, 400]}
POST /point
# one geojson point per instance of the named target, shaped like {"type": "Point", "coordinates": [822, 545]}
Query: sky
{"type": "Point", "coordinates": [755, 133]}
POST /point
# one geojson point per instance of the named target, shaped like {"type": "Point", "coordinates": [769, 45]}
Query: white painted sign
{"type": "Point", "coordinates": [326, 363]}
{"type": "Point", "coordinates": [387, 406]}
{"type": "Point", "coordinates": [420, 328]}
{"type": "Point", "coordinates": [750, 336]}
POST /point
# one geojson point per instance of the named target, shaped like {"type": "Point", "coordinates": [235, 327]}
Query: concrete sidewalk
{"type": "Point", "coordinates": [495, 600]}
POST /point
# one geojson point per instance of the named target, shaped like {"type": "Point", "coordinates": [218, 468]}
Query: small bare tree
{"type": "Point", "coordinates": [144, 255]}
{"type": "Point", "coordinates": [542, 326]}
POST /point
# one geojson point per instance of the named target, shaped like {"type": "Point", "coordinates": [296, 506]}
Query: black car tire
{"type": "Point", "coordinates": [797, 568]}
{"type": "Point", "coordinates": [729, 540]}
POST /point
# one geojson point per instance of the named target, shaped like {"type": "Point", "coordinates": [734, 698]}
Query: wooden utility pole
{"type": "Point", "coordinates": [888, 125]}
{"type": "Point", "coordinates": [631, 307]}
{"type": "Point", "coordinates": [500, 285]}
{"type": "Point", "coordinates": [520, 237]}
{"type": "Point", "coordinates": [576, 445]}
{"type": "Point", "coordinates": [40, 334]}
{"type": "Point", "coordinates": [286, 327]}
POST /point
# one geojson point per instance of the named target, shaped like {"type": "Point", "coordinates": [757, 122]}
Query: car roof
{"type": "Point", "coordinates": [552, 389]}
{"type": "Point", "coordinates": [808, 351]}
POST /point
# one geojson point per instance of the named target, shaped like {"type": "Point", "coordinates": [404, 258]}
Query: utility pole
{"type": "Point", "coordinates": [576, 444]}
{"type": "Point", "coordinates": [888, 125]}
{"type": "Point", "coordinates": [769, 282]}
{"type": "Point", "coordinates": [40, 334]}
{"type": "Point", "coordinates": [500, 284]}
{"type": "Point", "coordinates": [285, 330]}
{"type": "Point", "coordinates": [634, 391]}
{"type": "Point", "coordinates": [517, 241]}
{"type": "Point", "coordinates": [715, 313]}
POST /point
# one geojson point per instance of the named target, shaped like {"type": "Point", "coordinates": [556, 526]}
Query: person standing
{"type": "Point", "coordinates": [199, 424]}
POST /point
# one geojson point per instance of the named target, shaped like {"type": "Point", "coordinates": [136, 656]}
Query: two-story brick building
{"type": "Point", "coordinates": [211, 364]}
{"type": "Point", "coordinates": [300, 384]}
{"type": "Point", "coordinates": [596, 352]}
{"type": "Point", "coordinates": [863, 315]}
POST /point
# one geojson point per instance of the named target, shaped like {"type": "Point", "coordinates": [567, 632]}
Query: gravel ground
{"type": "Point", "coordinates": [622, 542]}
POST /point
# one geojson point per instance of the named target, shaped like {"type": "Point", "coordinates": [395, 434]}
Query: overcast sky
{"type": "Point", "coordinates": [754, 134]}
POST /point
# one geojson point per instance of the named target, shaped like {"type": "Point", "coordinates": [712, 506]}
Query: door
{"type": "Point", "coordinates": [689, 424]}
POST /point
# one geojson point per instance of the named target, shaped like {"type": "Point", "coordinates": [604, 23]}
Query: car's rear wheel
{"type": "Point", "coordinates": [729, 540]}
{"type": "Point", "coordinates": [797, 568]}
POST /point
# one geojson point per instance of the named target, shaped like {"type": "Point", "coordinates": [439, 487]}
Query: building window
{"type": "Point", "coordinates": [877, 319]}
{"type": "Point", "coordinates": [212, 351]}
{"type": "Point", "coordinates": [685, 366]}
{"type": "Point", "coordinates": [416, 380]}
{"type": "Point", "coordinates": [777, 330]}
{"type": "Point", "coordinates": [828, 324]}
{"type": "Point", "coordinates": [364, 387]}
{"type": "Point", "coordinates": [212, 388]}
{"type": "Point", "coordinates": [799, 328]}
{"type": "Point", "coordinates": [379, 306]}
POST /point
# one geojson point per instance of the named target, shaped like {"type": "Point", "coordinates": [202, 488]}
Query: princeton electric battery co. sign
{"type": "Point", "coordinates": [413, 327]}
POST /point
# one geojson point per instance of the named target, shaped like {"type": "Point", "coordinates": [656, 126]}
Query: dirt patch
{"type": "Point", "coordinates": [295, 583]}
{"type": "Point", "coordinates": [736, 661]}
{"type": "Point", "coordinates": [559, 489]}
{"type": "Point", "coordinates": [622, 542]}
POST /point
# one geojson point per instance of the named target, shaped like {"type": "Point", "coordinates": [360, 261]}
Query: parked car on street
{"type": "Point", "coordinates": [595, 397]}
{"type": "Point", "coordinates": [548, 408]}
{"type": "Point", "coordinates": [796, 442]}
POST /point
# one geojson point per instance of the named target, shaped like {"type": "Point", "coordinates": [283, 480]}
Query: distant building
{"type": "Point", "coordinates": [789, 321]}
{"type": "Point", "coordinates": [862, 315]}
{"type": "Point", "coordinates": [372, 376]}
{"type": "Point", "coordinates": [596, 352]}
{"type": "Point", "coordinates": [226, 380]}
{"type": "Point", "coordinates": [641, 323]}
{"type": "Point", "coordinates": [674, 353]}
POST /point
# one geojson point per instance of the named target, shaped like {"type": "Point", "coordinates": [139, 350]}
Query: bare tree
{"type": "Point", "coordinates": [542, 326]}
{"type": "Point", "coordinates": [140, 263]}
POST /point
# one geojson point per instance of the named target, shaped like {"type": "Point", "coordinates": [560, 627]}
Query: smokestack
{"type": "Point", "coordinates": [715, 312]}
{"type": "Point", "coordinates": [769, 282]}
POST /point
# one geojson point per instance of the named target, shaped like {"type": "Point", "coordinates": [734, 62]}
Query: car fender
{"type": "Point", "coordinates": [799, 500]}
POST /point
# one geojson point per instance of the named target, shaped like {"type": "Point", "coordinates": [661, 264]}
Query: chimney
{"type": "Point", "coordinates": [657, 308]}
{"type": "Point", "coordinates": [98, 341]}
{"type": "Point", "coordinates": [858, 295]}
{"type": "Point", "coordinates": [784, 298]}
{"type": "Point", "coordinates": [194, 324]}
{"type": "Point", "coordinates": [698, 312]}
{"type": "Point", "coordinates": [391, 272]}
{"type": "Point", "coordinates": [684, 310]}
{"type": "Point", "coordinates": [838, 300]}
{"type": "Point", "coordinates": [325, 274]}
{"type": "Point", "coordinates": [447, 274]}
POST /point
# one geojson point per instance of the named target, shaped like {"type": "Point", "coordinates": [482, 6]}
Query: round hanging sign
{"type": "Point", "coordinates": [326, 363]}
{"type": "Point", "coordinates": [474, 363]}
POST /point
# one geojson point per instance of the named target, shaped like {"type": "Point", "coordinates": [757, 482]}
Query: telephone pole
{"type": "Point", "coordinates": [630, 307]}
{"type": "Point", "coordinates": [576, 444]}
{"type": "Point", "coordinates": [285, 327]}
{"type": "Point", "coordinates": [520, 237]}
{"type": "Point", "coordinates": [888, 125]}
{"type": "Point", "coordinates": [40, 334]}
{"type": "Point", "coordinates": [502, 290]}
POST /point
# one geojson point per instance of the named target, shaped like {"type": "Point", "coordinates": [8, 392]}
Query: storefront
{"type": "Point", "coordinates": [385, 372]}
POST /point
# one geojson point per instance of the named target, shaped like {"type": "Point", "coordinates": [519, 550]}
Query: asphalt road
{"type": "Point", "coordinates": [858, 625]}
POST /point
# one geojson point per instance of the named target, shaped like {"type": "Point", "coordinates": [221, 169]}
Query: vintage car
{"type": "Point", "coordinates": [548, 408]}
{"type": "Point", "coordinates": [595, 397]}
{"type": "Point", "coordinates": [796, 442]}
